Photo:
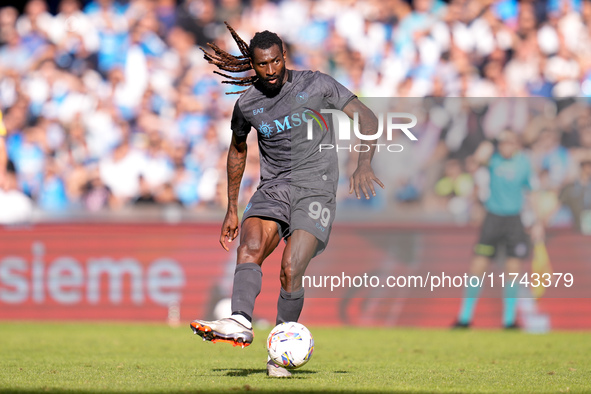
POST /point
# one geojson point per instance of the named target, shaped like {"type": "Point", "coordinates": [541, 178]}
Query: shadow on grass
{"type": "Point", "coordinates": [240, 371]}
{"type": "Point", "coordinates": [249, 371]}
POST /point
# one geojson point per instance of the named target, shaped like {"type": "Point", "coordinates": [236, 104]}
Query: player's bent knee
{"type": "Point", "coordinates": [250, 251]}
{"type": "Point", "coordinates": [292, 269]}
{"type": "Point", "coordinates": [286, 271]}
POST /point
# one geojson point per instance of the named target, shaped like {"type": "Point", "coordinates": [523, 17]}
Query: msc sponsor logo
{"type": "Point", "coordinates": [292, 120]}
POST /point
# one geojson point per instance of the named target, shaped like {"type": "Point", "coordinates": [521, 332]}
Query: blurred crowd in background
{"type": "Point", "coordinates": [110, 103]}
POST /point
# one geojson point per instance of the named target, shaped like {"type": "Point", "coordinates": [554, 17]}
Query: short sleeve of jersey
{"type": "Point", "coordinates": [240, 126]}
{"type": "Point", "coordinates": [336, 94]}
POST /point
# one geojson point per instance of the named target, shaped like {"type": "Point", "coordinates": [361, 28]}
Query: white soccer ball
{"type": "Point", "coordinates": [290, 345]}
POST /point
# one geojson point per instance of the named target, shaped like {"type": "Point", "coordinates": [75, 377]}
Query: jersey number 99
{"type": "Point", "coordinates": [317, 212]}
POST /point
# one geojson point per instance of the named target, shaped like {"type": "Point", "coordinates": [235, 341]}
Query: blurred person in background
{"type": "Point", "coordinates": [76, 38]}
{"type": "Point", "coordinates": [564, 71]}
{"type": "Point", "coordinates": [522, 69]}
{"type": "Point", "coordinates": [577, 197]}
{"type": "Point", "coordinates": [145, 195]}
{"type": "Point", "coordinates": [167, 197]}
{"type": "Point", "coordinates": [33, 27]}
{"type": "Point", "coordinates": [52, 195]}
{"type": "Point", "coordinates": [456, 188]}
{"type": "Point", "coordinates": [95, 195]}
{"type": "Point", "coordinates": [550, 156]}
{"type": "Point", "coordinates": [166, 14]}
{"type": "Point", "coordinates": [198, 17]}
{"type": "Point", "coordinates": [35, 20]}
{"type": "Point", "coordinates": [15, 206]}
{"type": "Point", "coordinates": [8, 17]}
{"type": "Point", "coordinates": [29, 157]}
{"type": "Point", "coordinates": [14, 54]}
{"type": "Point", "coordinates": [510, 177]}
{"type": "Point", "coordinates": [186, 175]}
{"type": "Point", "coordinates": [121, 172]}
{"type": "Point", "coordinates": [158, 169]}
{"type": "Point", "coordinates": [113, 31]}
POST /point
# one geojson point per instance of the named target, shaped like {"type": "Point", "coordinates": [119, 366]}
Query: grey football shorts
{"type": "Point", "coordinates": [295, 208]}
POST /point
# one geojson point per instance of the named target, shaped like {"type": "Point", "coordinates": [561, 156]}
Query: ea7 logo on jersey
{"type": "Point", "coordinates": [257, 111]}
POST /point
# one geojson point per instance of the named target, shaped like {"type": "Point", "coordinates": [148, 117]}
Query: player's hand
{"type": "Point", "coordinates": [229, 229]}
{"type": "Point", "coordinates": [362, 182]}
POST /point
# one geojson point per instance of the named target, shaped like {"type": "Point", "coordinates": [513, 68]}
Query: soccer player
{"type": "Point", "coordinates": [510, 177]}
{"type": "Point", "coordinates": [295, 199]}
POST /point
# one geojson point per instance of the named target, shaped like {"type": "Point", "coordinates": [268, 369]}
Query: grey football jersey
{"type": "Point", "coordinates": [286, 153]}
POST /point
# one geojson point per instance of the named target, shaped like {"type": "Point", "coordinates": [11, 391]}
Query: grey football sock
{"type": "Point", "coordinates": [289, 305]}
{"type": "Point", "coordinates": [248, 278]}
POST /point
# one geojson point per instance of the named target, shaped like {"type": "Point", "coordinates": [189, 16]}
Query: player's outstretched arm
{"type": "Point", "coordinates": [235, 168]}
{"type": "Point", "coordinates": [363, 178]}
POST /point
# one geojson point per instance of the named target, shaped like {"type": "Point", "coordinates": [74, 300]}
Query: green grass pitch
{"type": "Point", "coordinates": [77, 358]}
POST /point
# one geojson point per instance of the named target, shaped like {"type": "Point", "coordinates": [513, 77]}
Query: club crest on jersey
{"type": "Point", "coordinates": [265, 129]}
{"type": "Point", "coordinates": [302, 98]}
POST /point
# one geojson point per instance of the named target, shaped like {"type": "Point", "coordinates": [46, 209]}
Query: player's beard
{"type": "Point", "coordinates": [271, 89]}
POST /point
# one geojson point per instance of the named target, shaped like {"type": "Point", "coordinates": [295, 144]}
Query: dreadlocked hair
{"type": "Point", "coordinates": [234, 64]}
